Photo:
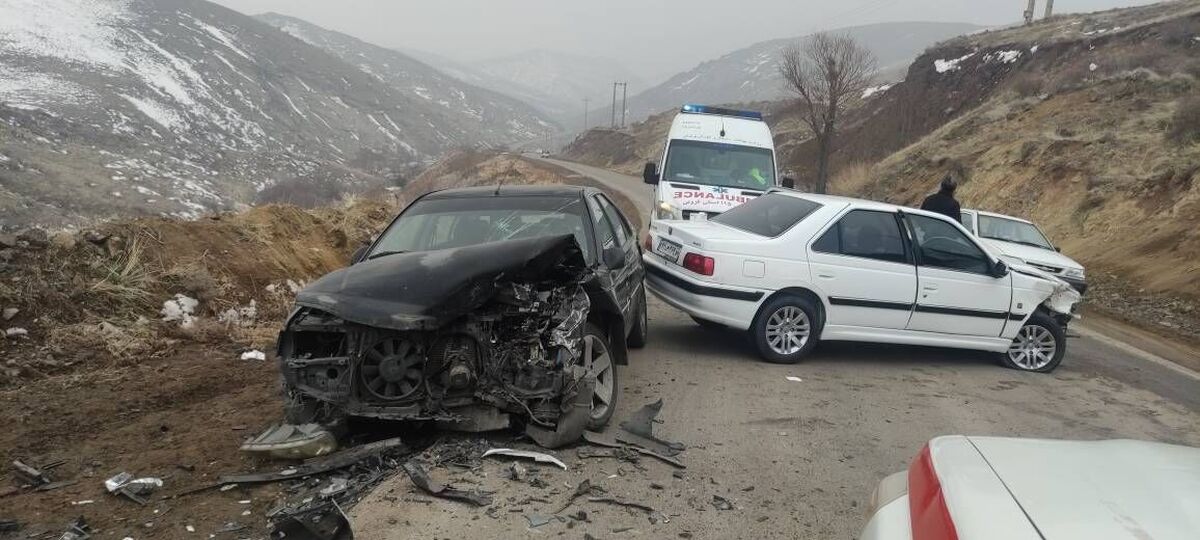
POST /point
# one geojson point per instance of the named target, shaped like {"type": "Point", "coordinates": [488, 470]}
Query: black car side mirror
{"type": "Point", "coordinates": [650, 173]}
{"type": "Point", "coordinates": [999, 269]}
{"type": "Point", "coordinates": [788, 182]}
{"type": "Point", "coordinates": [614, 257]}
{"type": "Point", "coordinates": [359, 254]}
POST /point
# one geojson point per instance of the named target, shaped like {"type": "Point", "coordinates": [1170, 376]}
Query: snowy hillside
{"type": "Point", "coordinates": [751, 74]}
{"type": "Point", "coordinates": [493, 117]}
{"type": "Point", "coordinates": [178, 107]}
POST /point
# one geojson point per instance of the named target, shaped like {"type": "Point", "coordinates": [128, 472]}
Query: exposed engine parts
{"type": "Point", "coordinates": [515, 346]}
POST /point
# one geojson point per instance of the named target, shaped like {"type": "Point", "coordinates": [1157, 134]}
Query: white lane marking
{"type": "Point", "coordinates": [1144, 355]}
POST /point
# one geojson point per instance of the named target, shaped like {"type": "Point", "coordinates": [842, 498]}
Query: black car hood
{"type": "Point", "coordinates": [425, 290]}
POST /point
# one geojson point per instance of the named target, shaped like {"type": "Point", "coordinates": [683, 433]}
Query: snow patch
{"type": "Point", "coordinates": [240, 316]}
{"type": "Point", "coordinates": [181, 308]}
{"type": "Point", "coordinates": [875, 90]}
{"type": "Point", "coordinates": [221, 36]}
{"type": "Point", "coordinates": [160, 114]}
{"type": "Point", "coordinates": [16, 332]}
{"type": "Point", "coordinates": [1004, 57]}
{"type": "Point", "coordinates": [943, 66]}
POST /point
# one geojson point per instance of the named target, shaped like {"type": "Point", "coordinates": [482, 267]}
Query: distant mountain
{"type": "Point", "coordinates": [751, 73]}
{"type": "Point", "coordinates": [179, 107]}
{"type": "Point", "coordinates": [486, 115]}
{"type": "Point", "coordinates": [555, 82]}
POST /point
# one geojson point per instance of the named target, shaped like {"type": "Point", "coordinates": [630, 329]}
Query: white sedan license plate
{"type": "Point", "coordinates": [668, 249]}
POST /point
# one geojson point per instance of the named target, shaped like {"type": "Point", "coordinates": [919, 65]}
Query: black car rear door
{"type": "Point", "coordinates": [612, 229]}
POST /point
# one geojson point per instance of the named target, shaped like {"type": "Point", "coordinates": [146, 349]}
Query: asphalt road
{"type": "Point", "coordinates": [798, 459]}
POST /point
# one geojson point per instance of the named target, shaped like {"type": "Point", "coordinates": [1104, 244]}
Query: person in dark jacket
{"type": "Point", "coordinates": [943, 201]}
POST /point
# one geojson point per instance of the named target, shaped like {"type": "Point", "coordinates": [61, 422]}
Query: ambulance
{"type": "Point", "coordinates": [714, 160]}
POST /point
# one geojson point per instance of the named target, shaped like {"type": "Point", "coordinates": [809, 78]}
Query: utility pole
{"type": "Point", "coordinates": [585, 112]}
{"type": "Point", "coordinates": [1029, 11]}
{"type": "Point", "coordinates": [612, 120]}
{"type": "Point", "coordinates": [624, 91]}
{"type": "Point", "coordinates": [1049, 8]}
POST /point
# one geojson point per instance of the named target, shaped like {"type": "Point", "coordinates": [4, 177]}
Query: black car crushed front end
{"type": "Point", "coordinates": [466, 337]}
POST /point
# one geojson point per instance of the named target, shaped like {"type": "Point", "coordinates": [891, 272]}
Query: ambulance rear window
{"type": "Point", "coordinates": [770, 215]}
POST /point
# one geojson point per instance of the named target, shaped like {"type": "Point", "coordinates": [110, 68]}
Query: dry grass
{"type": "Point", "coordinates": [127, 281]}
{"type": "Point", "coordinates": [1185, 124]}
{"type": "Point", "coordinates": [851, 179]}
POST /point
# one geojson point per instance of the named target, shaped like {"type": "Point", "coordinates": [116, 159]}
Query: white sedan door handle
{"type": "Point", "coordinates": [930, 287]}
{"type": "Point", "coordinates": [825, 276]}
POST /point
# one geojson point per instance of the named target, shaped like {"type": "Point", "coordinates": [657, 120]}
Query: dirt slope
{"type": "Point", "coordinates": [1084, 134]}
{"type": "Point", "coordinates": [98, 379]}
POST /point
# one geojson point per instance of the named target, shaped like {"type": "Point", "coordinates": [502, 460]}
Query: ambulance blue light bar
{"type": "Point", "coordinates": [705, 109]}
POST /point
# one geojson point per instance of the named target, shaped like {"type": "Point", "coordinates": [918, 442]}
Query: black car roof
{"type": "Point", "coordinates": [550, 190]}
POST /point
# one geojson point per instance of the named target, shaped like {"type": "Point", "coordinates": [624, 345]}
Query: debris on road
{"type": "Point", "coordinates": [254, 355]}
{"type": "Point", "coordinates": [77, 530]}
{"type": "Point", "coordinates": [583, 488]}
{"type": "Point", "coordinates": [9, 313]}
{"type": "Point", "coordinates": [721, 503]}
{"type": "Point", "coordinates": [619, 502]}
{"type": "Point", "coordinates": [291, 441]}
{"type": "Point", "coordinates": [794, 379]}
{"type": "Point", "coordinates": [603, 439]}
{"type": "Point", "coordinates": [29, 475]}
{"type": "Point", "coordinates": [134, 489]}
{"type": "Point", "coordinates": [420, 478]}
{"type": "Point", "coordinates": [537, 520]}
{"type": "Point", "coordinates": [639, 431]}
{"type": "Point", "coordinates": [535, 456]}
{"type": "Point", "coordinates": [9, 525]}
{"type": "Point", "coordinates": [339, 460]}
{"type": "Point", "coordinates": [326, 522]}
{"type": "Point", "coordinates": [517, 472]}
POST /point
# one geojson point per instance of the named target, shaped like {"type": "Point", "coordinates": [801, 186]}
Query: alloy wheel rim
{"type": "Point", "coordinates": [599, 366]}
{"type": "Point", "coordinates": [1033, 348]}
{"type": "Point", "coordinates": [788, 330]}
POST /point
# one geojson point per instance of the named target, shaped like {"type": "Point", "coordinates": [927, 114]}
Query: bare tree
{"type": "Point", "coordinates": [827, 73]}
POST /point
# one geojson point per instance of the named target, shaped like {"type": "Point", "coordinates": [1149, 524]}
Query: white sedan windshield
{"type": "Point", "coordinates": [1011, 230]}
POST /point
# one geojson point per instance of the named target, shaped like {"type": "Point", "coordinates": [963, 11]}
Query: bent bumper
{"type": "Point", "coordinates": [732, 307]}
{"type": "Point", "coordinates": [1076, 283]}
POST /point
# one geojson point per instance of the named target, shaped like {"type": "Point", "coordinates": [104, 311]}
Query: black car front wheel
{"type": "Point", "coordinates": [598, 360]}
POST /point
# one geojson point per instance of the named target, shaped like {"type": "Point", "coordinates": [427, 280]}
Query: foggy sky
{"type": "Point", "coordinates": [653, 38]}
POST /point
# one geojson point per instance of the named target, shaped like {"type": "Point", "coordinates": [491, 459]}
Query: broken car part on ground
{"type": "Point", "coordinates": [466, 337]}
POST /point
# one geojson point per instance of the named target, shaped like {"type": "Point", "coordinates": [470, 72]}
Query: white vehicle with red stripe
{"type": "Point", "coordinates": [714, 159]}
{"type": "Point", "coordinates": [994, 488]}
{"type": "Point", "coordinates": [794, 268]}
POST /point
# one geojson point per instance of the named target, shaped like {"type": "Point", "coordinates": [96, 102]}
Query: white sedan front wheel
{"type": "Point", "coordinates": [1039, 346]}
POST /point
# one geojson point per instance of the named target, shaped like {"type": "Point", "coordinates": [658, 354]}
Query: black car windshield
{"type": "Point", "coordinates": [769, 215]}
{"type": "Point", "coordinates": [431, 224]}
{"type": "Point", "coordinates": [1011, 230]}
{"type": "Point", "coordinates": [719, 164]}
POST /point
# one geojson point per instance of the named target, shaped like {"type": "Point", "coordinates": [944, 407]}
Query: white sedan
{"type": "Point", "coordinates": [794, 268]}
{"type": "Point", "coordinates": [1022, 241]}
{"type": "Point", "coordinates": [994, 488]}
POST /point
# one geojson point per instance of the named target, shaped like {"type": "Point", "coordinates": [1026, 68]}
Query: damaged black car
{"type": "Point", "coordinates": [477, 309]}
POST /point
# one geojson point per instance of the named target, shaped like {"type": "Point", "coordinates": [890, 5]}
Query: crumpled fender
{"type": "Point", "coordinates": [1061, 298]}
{"type": "Point", "coordinates": [427, 289]}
